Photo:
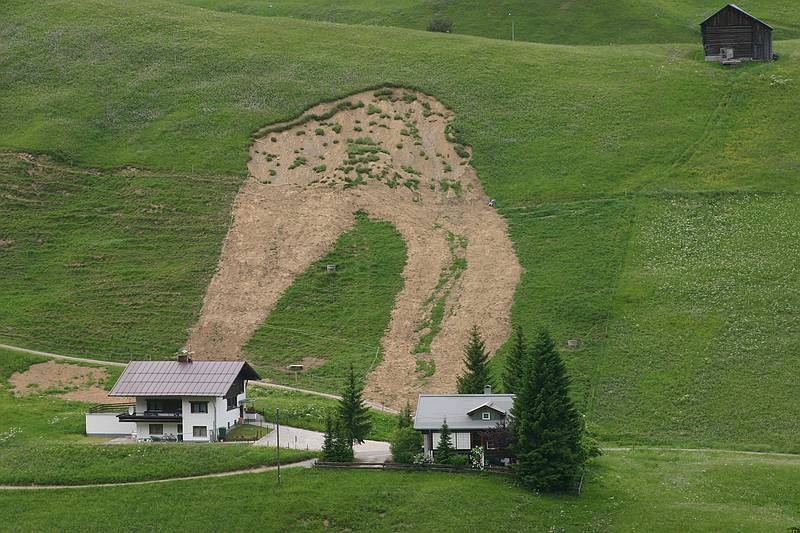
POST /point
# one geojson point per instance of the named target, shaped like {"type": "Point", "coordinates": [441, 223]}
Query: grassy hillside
{"type": "Point", "coordinates": [649, 194]}
{"type": "Point", "coordinates": [567, 21]}
{"type": "Point", "coordinates": [112, 263]}
{"type": "Point", "coordinates": [334, 318]}
{"type": "Point", "coordinates": [624, 492]}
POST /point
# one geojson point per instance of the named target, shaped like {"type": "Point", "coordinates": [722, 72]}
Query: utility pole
{"type": "Point", "coordinates": [278, 433]}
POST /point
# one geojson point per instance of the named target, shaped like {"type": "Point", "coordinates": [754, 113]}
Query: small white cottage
{"type": "Point", "coordinates": [181, 400]}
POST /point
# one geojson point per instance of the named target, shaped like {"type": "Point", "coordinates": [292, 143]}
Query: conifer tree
{"type": "Point", "coordinates": [444, 448]}
{"type": "Point", "coordinates": [328, 443]}
{"type": "Point", "coordinates": [515, 363]}
{"type": "Point", "coordinates": [405, 420]}
{"type": "Point", "coordinates": [476, 359]}
{"type": "Point", "coordinates": [353, 416]}
{"type": "Point", "coordinates": [547, 427]}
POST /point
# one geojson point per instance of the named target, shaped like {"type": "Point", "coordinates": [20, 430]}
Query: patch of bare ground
{"type": "Point", "coordinates": [80, 383]}
{"type": "Point", "coordinates": [390, 153]}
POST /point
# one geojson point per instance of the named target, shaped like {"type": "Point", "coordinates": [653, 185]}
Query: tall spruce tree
{"type": "Point", "coordinates": [515, 363]}
{"type": "Point", "coordinates": [547, 427]}
{"type": "Point", "coordinates": [353, 416]}
{"type": "Point", "coordinates": [444, 448]}
{"type": "Point", "coordinates": [476, 360]}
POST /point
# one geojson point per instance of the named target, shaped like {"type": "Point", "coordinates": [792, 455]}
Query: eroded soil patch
{"type": "Point", "coordinates": [393, 154]}
{"type": "Point", "coordinates": [68, 381]}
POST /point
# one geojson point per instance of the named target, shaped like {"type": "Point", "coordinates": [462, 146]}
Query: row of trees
{"type": "Point", "coordinates": [550, 442]}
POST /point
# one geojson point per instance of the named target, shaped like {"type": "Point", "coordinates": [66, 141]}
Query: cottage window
{"type": "Point", "coordinates": [156, 429]}
{"type": "Point", "coordinates": [232, 404]}
{"type": "Point", "coordinates": [199, 407]}
{"type": "Point", "coordinates": [486, 415]}
{"type": "Point", "coordinates": [199, 431]}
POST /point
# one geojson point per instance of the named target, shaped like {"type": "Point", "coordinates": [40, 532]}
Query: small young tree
{"type": "Point", "coordinates": [335, 447]}
{"type": "Point", "coordinates": [328, 442]}
{"type": "Point", "coordinates": [440, 24]}
{"type": "Point", "coordinates": [444, 448]}
{"type": "Point", "coordinates": [476, 360]}
{"type": "Point", "coordinates": [353, 414]}
{"type": "Point", "coordinates": [406, 444]}
{"type": "Point", "coordinates": [547, 427]}
{"type": "Point", "coordinates": [405, 420]}
{"type": "Point", "coordinates": [515, 363]}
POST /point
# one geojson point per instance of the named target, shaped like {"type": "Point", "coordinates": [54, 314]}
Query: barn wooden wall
{"type": "Point", "coordinates": [733, 29]}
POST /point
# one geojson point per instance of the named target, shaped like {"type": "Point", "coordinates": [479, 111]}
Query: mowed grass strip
{"type": "Point", "coordinates": [310, 412]}
{"type": "Point", "coordinates": [669, 491]}
{"type": "Point", "coordinates": [334, 318]}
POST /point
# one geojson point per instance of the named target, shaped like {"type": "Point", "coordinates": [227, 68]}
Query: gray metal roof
{"type": "Point", "coordinates": [171, 378]}
{"type": "Point", "coordinates": [433, 409]}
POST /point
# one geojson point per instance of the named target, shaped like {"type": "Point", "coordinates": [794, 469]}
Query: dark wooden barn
{"type": "Point", "coordinates": [734, 34]}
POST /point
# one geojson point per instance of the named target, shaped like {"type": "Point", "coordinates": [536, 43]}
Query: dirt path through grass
{"type": "Point", "coordinates": [300, 464]}
{"type": "Point", "coordinates": [393, 154]}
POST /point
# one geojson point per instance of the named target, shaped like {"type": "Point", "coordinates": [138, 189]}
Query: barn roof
{"type": "Point", "coordinates": [173, 378]}
{"type": "Point", "coordinates": [740, 10]}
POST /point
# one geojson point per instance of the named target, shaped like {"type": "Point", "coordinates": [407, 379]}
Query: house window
{"type": "Point", "coordinates": [199, 407]}
{"type": "Point", "coordinates": [156, 429]}
{"type": "Point", "coordinates": [199, 431]}
{"type": "Point", "coordinates": [164, 406]}
{"type": "Point", "coordinates": [486, 415]}
{"type": "Point", "coordinates": [232, 402]}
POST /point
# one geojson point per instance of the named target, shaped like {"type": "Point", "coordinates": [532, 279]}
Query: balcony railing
{"type": "Point", "coordinates": [151, 416]}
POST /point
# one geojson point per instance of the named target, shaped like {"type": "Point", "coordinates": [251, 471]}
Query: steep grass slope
{"type": "Point", "coordinates": [649, 194]}
{"type": "Point", "coordinates": [566, 21]}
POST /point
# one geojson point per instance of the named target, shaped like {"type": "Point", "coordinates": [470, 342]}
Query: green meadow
{"type": "Point", "coordinates": [583, 22]}
{"type": "Point", "coordinates": [623, 492]}
{"type": "Point", "coordinates": [649, 196]}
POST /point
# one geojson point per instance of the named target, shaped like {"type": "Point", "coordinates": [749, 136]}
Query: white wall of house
{"type": "Point", "coordinates": [107, 425]}
{"type": "Point", "coordinates": [143, 429]}
{"type": "Point", "coordinates": [198, 420]}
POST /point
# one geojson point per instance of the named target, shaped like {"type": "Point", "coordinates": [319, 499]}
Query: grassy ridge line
{"type": "Point", "coordinates": [600, 22]}
{"type": "Point", "coordinates": [684, 492]}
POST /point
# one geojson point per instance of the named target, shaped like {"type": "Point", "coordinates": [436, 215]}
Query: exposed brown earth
{"type": "Point", "coordinates": [392, 158]}
{"type": "Point", "coordinates": [81, 382]}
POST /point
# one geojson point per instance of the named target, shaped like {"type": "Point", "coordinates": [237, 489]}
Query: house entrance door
{"type": "Point", "coordinates": [180, 432]}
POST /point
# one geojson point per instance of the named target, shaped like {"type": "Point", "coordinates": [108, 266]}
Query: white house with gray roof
{"type": "Point", "coordinates": [467, 416]}
{"type": "Point", "coordinates": [177, 400]}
